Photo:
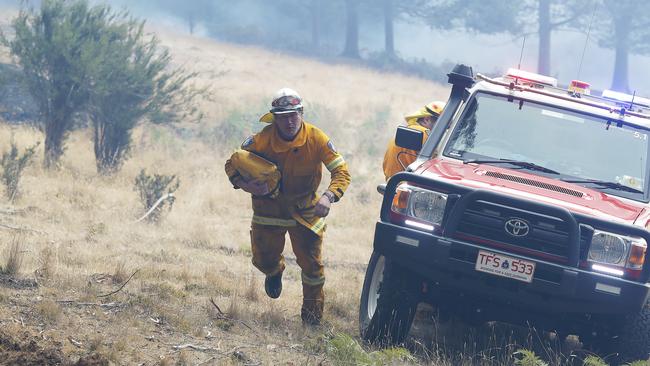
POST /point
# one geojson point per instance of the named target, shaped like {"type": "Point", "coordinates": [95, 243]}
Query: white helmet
{"type": "Point", "coordinates": [286, 100]}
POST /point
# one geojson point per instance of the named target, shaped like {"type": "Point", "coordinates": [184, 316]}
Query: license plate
{"type": "Point", "coordinates": [505, 266]}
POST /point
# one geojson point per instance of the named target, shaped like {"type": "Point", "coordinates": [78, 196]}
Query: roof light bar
{"type": "Point", "coordinates": [625, 98]}
{"type": "Point", "coordinates": [531, 77]}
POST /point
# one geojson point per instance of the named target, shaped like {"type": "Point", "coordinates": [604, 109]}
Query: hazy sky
{"type": "Point", "coordinates": [485, 53]}
{"type": "Point", "coordinates": [490, 53]}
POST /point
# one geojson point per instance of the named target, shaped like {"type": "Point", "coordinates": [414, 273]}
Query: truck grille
{"type": "Point", "coordinates": [486, 221]}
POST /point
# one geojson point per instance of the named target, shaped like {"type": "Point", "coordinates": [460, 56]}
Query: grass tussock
{"type": "Point", "coordinates": [342, 349]}
{"type": "Point", "coordinates": [46, 263]}
{"type": "Point", "coordinates": [273, 317]}
{"type": "Point", "coordinates": [14, 258]}
{"type": "Point", "coordinates": [236, 308]}
{"type": "Point", "coordinates": [49, 311]}
{"type": "Point", "coordinates": [120, 273]}
{"type": "Point", "coordinates": [252, 291]}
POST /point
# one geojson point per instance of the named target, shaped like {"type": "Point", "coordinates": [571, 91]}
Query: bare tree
{"type": "Point", "coordinates": [351, 49]}
{"type": "Point", "coordinates": [625, 27]}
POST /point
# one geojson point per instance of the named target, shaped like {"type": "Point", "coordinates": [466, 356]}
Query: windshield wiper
{"type": "Point", "coordinates": [602, 183]}
{"type": "Point", "coordinates": [523, 164]}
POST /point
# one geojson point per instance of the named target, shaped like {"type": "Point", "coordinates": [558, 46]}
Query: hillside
{"type": "Point", "coordinates": [76, 239]}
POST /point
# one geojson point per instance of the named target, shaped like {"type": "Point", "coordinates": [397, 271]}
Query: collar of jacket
{"type": "Point", "coordinates": [278, 144]}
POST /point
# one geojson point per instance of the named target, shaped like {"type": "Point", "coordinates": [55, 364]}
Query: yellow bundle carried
{"type": "Point", "coordinates": [254, 167]}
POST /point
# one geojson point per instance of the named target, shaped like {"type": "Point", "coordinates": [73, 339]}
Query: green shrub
{"type": "Point", "coordinates": [528, 358]}
{"type": "Point", "coordinates": [151, 188]}
{"type": "Point", "coordinates": [592, 360]}
{"type": "Point", "coordinates": [416, 67]}
{"type": "Point", "coordinates": [342, 349]}
{"type": "Point", "coordinates": [13, 163]}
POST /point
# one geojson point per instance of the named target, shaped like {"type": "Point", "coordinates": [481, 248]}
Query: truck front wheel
{"type": "Point", "coordinates": [633, 341]}
{"type": "Point", "coordinates": [389, 299]}
{"type": "Point", "coordinates": [628, 340]}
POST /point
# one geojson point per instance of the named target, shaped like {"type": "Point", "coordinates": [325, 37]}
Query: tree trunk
{"type": "Point", "coordinates": [191, 23]}
{"type": "Point", "coordinates": [109, 148]}
{"type": "Point", "coordinates": [622, 34]}
{"type": "Point", "coordinates": [315, 24]}
{"type": "Point", "coordinates": [54, 134]}
{"type": "Point", "coordinates": [389, 32]}
{"type": "Point", "coordinates": [544, 52]}
{"type": "Point", "coordinates": [352, 30]}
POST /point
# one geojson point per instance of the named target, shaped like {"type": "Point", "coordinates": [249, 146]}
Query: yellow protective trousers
{"type": "Point", "coordinates": [267, 241]}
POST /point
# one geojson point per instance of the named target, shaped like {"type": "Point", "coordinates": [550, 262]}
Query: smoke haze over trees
{"type": "Point", "coordinates": [423, 37]}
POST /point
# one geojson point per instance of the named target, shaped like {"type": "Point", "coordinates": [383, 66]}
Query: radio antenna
{"type": "Point", "coordinates": [584, 49]}
{"type": "Point", "coordinates": [521, 55]}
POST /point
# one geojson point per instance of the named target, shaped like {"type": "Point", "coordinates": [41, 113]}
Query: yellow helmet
{"type": "Point", "coordinates": [254, 167]}
{"type": "Point", "coordinates": [432, 109]}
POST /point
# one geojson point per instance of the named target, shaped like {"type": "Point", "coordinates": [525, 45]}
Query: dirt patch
{"type": "Point", "coordinates": [17, 283]}
{"type": "Point", "coordinates": [22, 348]}
{"type": "Point", "coordinates": [19, 346]}
{"type": "Point", "coordinates": [92, 360]}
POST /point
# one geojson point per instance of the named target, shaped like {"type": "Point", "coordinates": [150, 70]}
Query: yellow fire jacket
{"type": "Point", "coordinates": [395, 154]}
{"type": "Point", "coordinates": [300, 162]}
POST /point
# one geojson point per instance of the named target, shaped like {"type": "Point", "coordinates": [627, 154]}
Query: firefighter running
{"type": "Point", "coordinates": [396, 158]}
{"type": "Point", "coordinates": [281, 167]}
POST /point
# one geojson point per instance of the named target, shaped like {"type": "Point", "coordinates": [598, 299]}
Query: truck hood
{"type": "Point", "coordinates": [519, 183]}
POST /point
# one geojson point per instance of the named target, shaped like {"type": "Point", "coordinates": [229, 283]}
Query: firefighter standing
{"type": "Point", "coordinates": [298, 149]}
{"type": "Point", "coordinates": [396, 158]}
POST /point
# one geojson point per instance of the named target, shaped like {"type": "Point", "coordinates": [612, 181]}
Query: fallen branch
{"type": "Point", "coordinates": [216, 306]}
{"type": "Point", "coordinates": [121, 287]}
{"type": "Point", "coordinates": [223, 315]}
{"type": "Point", "coordinates": [207, 361]}
{"type": "Point", "coordinates": [155, 205]}
{"type": "Point", "coordinates": [196, 348]}
{"type": "Point", "coordinates": [21, 229]}
{"type": "Point", "coordinates": [75, 342]}
{"type": "Point", "coordinates": [109, 305]}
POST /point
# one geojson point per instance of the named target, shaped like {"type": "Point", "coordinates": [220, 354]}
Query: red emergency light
{"type": "Point", "coordinates": [580, 87]}
{"type": "Point", "coordinates": [530, 77]}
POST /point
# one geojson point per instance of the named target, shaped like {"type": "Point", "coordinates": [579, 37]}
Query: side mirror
{"type": "Point", "coordinates": [381, 188]}
{"type": "Point", "coordinates": [409, 138]}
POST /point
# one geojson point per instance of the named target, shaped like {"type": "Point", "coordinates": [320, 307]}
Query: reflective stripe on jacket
{"type": "Point", "coordinates": [300, 162]}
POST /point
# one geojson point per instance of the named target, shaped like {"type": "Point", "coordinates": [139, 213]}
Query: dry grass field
{"type": "Point", "coordinates": [71, 236]}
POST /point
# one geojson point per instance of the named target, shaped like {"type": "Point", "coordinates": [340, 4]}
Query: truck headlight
{"type": "Point", "coordinates": [617, 250]}
{"type": "Point", "coordinates": [426, 206]}
{"type": "Point", "coordinates": [608, 248]}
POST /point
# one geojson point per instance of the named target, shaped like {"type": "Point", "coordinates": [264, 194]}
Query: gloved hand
{"type": "Point", "coordinates": [255, 187]}
{"type": "Point", "coordinates": [322, 208]}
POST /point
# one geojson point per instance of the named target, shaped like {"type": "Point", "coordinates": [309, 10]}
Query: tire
{"type": "Point", "coordinates": [631, 341]}
{"type": "Point", "coordinates": [389, 299]}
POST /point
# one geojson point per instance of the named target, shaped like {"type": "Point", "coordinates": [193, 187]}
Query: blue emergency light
{"type": "Point", "coordinates": [625, 100]}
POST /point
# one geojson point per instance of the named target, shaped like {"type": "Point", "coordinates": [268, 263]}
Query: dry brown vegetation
{"type": "Point", "coordinates": [70, 238]}
{"type": "Point", "coordinates": [83, 283]}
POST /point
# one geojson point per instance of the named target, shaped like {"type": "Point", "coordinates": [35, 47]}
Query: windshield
{"type": "Point", "coordinates": [575, 146]}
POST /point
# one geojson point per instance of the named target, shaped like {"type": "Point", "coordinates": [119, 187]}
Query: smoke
{"type": "Point", "coordinates": [286, 25]}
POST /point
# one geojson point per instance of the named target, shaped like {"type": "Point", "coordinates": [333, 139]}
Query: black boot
{"type": "Point", "coordinates": [273, 285]}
